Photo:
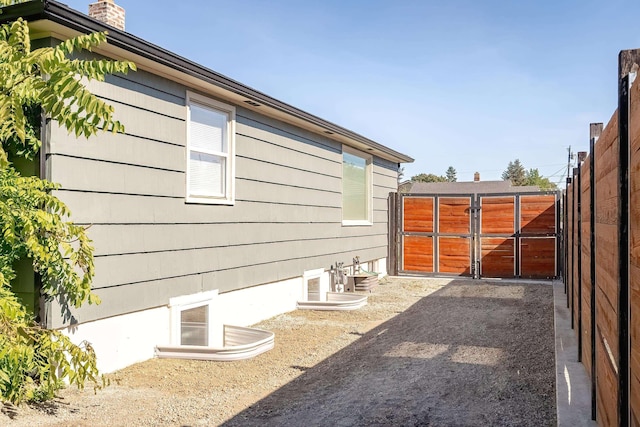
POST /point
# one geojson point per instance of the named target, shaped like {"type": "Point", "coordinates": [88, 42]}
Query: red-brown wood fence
{"type": "Point", "coordinates": [481, 235]}
{"type": "Point", "coordinates": [602, 256]}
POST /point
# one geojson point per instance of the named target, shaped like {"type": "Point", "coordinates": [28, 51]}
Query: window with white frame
{"type": "Point", "coordinates": [192, 320]}
{"type": "Point", "coordinates": [194, 326]}
{"type": "Point", "coordinates": [210, 150]}
{"type": "Point", "coordinates": [356, 187]}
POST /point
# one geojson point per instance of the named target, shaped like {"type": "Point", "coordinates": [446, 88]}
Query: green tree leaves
{"type": "Point", "coordinates": [47, 78]}
{"type": "Point", "coordinates": [519, 176]}
{"type": "Point", "coordinates": [428, 177]}
{"type": "Point", "coordinates": [515, 173]}
{"type": "Point", "coordinates": [533, 177]}
{"type": "Point", "coordinates": [34, 224]}
{"type": "Point", "coordinates": [451, 174]}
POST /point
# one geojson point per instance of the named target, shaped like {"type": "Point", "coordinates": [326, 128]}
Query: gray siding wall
{"type": "Point", "coordinates": [150, 245]}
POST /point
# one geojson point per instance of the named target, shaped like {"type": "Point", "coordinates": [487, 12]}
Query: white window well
{"type": "Point", "coordinates": [197, 332]}
{"type": "Point", "coordinates": [210, 150]}
{"type": "Point", "coordinates": [357, 187]}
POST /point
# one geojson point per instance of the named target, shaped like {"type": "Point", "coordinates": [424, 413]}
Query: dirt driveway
{"type": "Point", "coordinates": [423, 352]}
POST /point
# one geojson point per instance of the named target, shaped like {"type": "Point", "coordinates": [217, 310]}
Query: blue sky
{"type": "Point", "coordinates": [463, 83]}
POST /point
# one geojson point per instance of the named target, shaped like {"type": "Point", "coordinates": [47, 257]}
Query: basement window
{"type": "Point", "coordinates": [315, 289]}
{"type": "Point", "coordinates": [210, 151]}
{"type": "Point", "coordinates": [356, 187]}
{"type": "Point", "coordinates": [194, 326]}
{"type": "Point", "coordinates": [191, 318]}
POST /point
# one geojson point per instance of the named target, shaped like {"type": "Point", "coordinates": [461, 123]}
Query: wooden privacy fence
{"type": "Point", "coordinates": [480, 234]}
{"type": "Point", "coordinates": [602, 256]}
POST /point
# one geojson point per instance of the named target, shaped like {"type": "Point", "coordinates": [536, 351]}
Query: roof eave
{"type": "Point", "coordinates": [64, 15]}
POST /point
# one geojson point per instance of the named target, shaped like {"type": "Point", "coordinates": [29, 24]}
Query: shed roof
{"type": "Point", "coordinates": [51, 18]}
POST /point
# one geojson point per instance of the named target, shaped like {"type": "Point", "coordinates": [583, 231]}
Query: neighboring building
{"type": "Point", "coordinates": [468, 187]}
{"type": "Point", "coordinates": [214, 186]}
{"type": "Point", "coordinates": [404, 186]}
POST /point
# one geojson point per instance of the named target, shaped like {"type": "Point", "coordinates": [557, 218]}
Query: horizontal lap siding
{"type": "Point", "coordinates": [123, 269]}
{"type": "Point", "coordinates": [607, 275]}
{"type": "Point", "coordinates": [145, 238]}
{"type": "Point", "coordinates": [105, 208]}
{"type": "Point", "coordinates": [151, 245]}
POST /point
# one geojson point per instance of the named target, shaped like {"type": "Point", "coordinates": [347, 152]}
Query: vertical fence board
{"type": "Point", "coordinates": [607, 289]}
{"type": "Point", "coordinates": [602, 264]}
{"type": "Point", "coordinates": [569, 244]}
{"type": "Point", "coordinates": [585, 276]}
{"type": "Point", "coordinates": [393, 233]}
{"type": "Point", "coordinates": [595, 131]}
{"type": "Point", "coordinates": [634, 252]}
{"type": "Point", "coordinates": [575, 268]}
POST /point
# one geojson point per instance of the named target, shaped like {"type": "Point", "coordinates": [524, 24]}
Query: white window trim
{"type": "Point", "coordinates": [186, 302]}
{"type": "Point", "coordinates": [230, 188]}
{"type": "Point", "coordinates": [314, 274]}
{"type": "Point", "coordinates": [369, 160]}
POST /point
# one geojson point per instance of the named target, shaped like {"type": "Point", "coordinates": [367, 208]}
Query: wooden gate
{"type": "Point", "coordinates": [483, 235]}
{"type": "Point", "coordinates": [437, 234]}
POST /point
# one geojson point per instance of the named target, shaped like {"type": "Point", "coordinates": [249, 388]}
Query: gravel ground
{"type": "Point", "coordinates": [433, 352]}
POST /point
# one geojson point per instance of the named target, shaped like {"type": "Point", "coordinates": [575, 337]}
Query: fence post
{"type": "Point", "coordinates": [578, 187]}
{"type": "Point", "coordinates": [392, 260]}
{"type": "Point", "coordinates": [574, 224]}
{"type": "Point", "coordinates": [568, 242]}
{"type": "Point", "coordinates": [558, 234]}
{"type": "Point", "coordinates": [627, 68]}
{"type": "Point", "coordinates": [595, 130]}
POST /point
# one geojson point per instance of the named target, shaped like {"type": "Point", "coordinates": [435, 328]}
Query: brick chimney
{"type": "Point", "coordinates": [476, 177]}
{"type": "Point", "coordinates": [108, 12]}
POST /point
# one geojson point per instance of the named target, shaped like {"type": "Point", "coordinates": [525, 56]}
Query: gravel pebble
{"type": "Point", "coordinates": [470, 353]}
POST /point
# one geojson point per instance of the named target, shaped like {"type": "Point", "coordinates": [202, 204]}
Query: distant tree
{"type": "Point", "coordinates": [515, 173]}
{"type": "Point", "coordinates": [451, 174]}
{"type": "Point", "coordinates": [533, 177]}
{"type": "Point", "coordinates": [400, 174]}
{"type": "Point", "coordinates": [428, 177]}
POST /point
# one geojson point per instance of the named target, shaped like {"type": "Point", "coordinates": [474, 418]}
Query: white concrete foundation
{"type": "Point", "coordinates": [252, 305]}
{"type": "Point", "coordinates": [124, 340]}
{"type": "Point", "coordinates": [131, 338]}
